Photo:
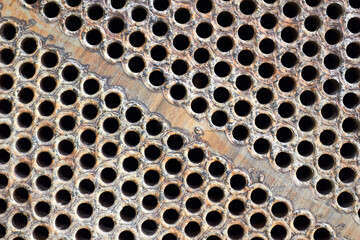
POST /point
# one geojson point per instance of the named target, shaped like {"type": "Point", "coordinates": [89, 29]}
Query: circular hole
{"type": "Point", "coordinates": [111, 125]}
{"type": "Point", "coordinates": [139, 14]}
{"type": "Point", "coordinates": [201, 55]}
{"type": "Point", "coordinates": [6, 56]}
{"type": "Point", "coordinates": [89, 111]}
{"type": "Point", "coordinates": [66, 147]}
{"type": "Point", "coordinates": [178, 91]}
{"type": "Point", "coordinates": [181, 42]}
{"type": "Point", "coordinates": [51, 9]}
{"type": "Point", "coordinates": [19, 220]}
{"type": "Point", "coordinates": [264, 95]}
{"type": "Point", "coordinates": [48, 84]}
{"type": "Point", "coordinates": [278, 232]}
{"type": "Point", "coordinates": [283, 160]}
{"type": "Point", "coordinates": [5, 132]}
{"type": "Point", "coordinates": [160, 28]}
{"type": "Point", "coordinates": [313, 3]}
{"type": "Point", "coordinates": [200, 80]}
{"type": "Point", "coordinates": [108, 175]}
{"type": "Point", "coordinates": [63, 197]}
{"type": "Point", "coordinates": [240, 133]}
{"type": "Point", "coordinates": [258, 196]}
{"type": "Point", "coordinates": [161, 5]}
{"type": "Point", "coordinates": [171, 216]}
{"type": "Point", "coordinates": [106, 199]}
{"type": "Point", "coordinates": [23, 145]}
{"type": "Point", "coordinates": [137, 39]}
{"type": "Point", "coordinates": [204, 30]}
{"type": "Point", "coordinates": [332, 36]}
{"type": "Point", "coordinates": [334, 11]}
{"type": "Point", "coordinates": [45, 134]}
{"type": "Point", "coordinates": [25, 120]}
{"type": "Point", "coordinates": [324, 186]}
{"type": "Point", "coordinates": [349, 125]}
{"type": "Point", "coordinates": [279, 209]}
{"type": "Point", "coordinates": [22, 170]}
{"type": "Point", "coordinates": [21, 195]}
{"type": "Point", "coordinates": [43, 183]}
{"type": "Point", "coordinates": [40, 233]}
{"type": "Point", "coordinates": [262, 121]}
{"type": "Point", "coordinates": [305, 148]}
{"type": "Point", "coordinates": [196, 155]}
{"type": "Point", "coordinates": [6, 82]}
{"type": "Point", "coordinates": [152, 152]}
{"type": "Point", "coordinates": [112, 100]}
{"type": "Point", "coordinates": [130, 164]}
{"type": "Point", "coordinates": [225, 43]}
{"type": "Point", "coordinates": [243, 82]}
{"type": "Point", "coordinates": [291, 9]}
{"type": "Point", "coordinates": [345, 199]}
{"type": "Point", "coordinates": [304, 173]}
{"type": "Point", "coordinates": [289, 34]}
{"type": "Point", "coordinates": [225, 19]}
{"type": "Point", "coordinates": [246, 32]}
{"type": "Point", "coordinates": [62, 222]}
{"type": "Point", "coordinates": [46, 108]}
{"type": "Point", "coordinates": [156, 78]}
{"type": "Point", "coordinates": [42, 209]}
{"type": "Point", "coordinates": [215, 194]}
{"type": "Point", "coordinates": [286, 110]}
{"type": "Point", "coordinates": [284, 134]}
{"type": "Point", "coordinates": [182, 15]}
{"type": "Point", "coordinates": [236, 207]}
{"type": "Point", "coordinates": [242, 108]}
{"type": "Point", "coordinates": [348, 150]}
{"type": "Point", "coordinates": [3, 181]}
{"type": "Point", "coordinates": [149, 202]}
{"type": "Point", "coordinates": [70, 73]}
{"type": "Point", "coordinates": [127, 213]}
{"type": "Point", "coordinates": [84, 210]}
{"type": "Point", "coordinates": [222, 69]}
{"type": "Point", "coordinates": [126, 235]}
{"type": "Point", "coordinates": [213, 218]}
{"type": "Point", "coordinates": [238, 182]}
{"type": "Point", "coordinates": [353, 50]}
{"type": "Point", "coordinates": [29, 45]}
{"type": "Point", "coordinates": [266, 70]}
{"type": "Point", "coordinates": [116, 25]}
{"type": "Point", "coordinates": [5, 106]}
{"type": "Point", "coordinates": [129, 188]}
{"type": "Point", "coordinates": [310, 48]}
{"type": "Point", "coordinates": [352, 75]}
{"type": "Point", "coordinates": [235, 232]}
{"type": "Point", "coordinates": [326, 162]}
{"type": "Point", "coordinates": [268, 21]}
{"type": "Point", "coordinates": [27, 70]}
{"type": "Point", "coordinates": [67, 123]}
{"type": "Point", "coordinates": [331, 86]}
{"type": "Point", "coordinates": [199, 105]}
{"type": "Point", "coordinates": [94, 37]}
{"type": "Point", "coordinates": [307, 98]}
{"type": "Point", "coordinates": [136, 64]}
{"type": "Point", "coordinates": [175, 142]}
{"type": "Point", "coordinates": [329, 111]}
{"type": "Point", "coordinates": [221, 95]}
{"type": "Point", "coordinates": [73, 23]}
{"type": "Point", "coordinates": [246, 57]}
{"type": "Point", "coordinates": [65, 173]}
{"type": "Point", "coordinates": [149, 227]}
{"type": "Point", "coordinates": [171, 191]}
{"type": "Point", "coordinates": [109, 149]}
{"type": "Point", "coordinates": [86, 186]}
{"type": "Point", "coordinates": [132, 138]}
{"type": "Point", "coordinates": [354, 25]}
{"type": "Point", "coordinates": [8, 31]}
{"type": "Point", "coordinates": [288, 60]}
{"type": "Point", "coordinates": [4, 156]}
{"type": "Point", "coordinates": [106, 224]}
{"type": "Point", "coordinates": [115, 50]}
{"type": "Point", "coordinates": [204, 6]}
{"type": "Point", "coordinates": [267, 45]}
{"type": "Point", "coordinates": [258, 220]}
{"type": "Point", "coordinates": [331, 61]}
{"type": "Point", "coordinates": [301, 222]}
{"type": "Point", "coordinates": [309, 73]}
{"type": "Point", "coordinates": [347, 175]}
{"type": "Point", "coordinates": [95, 12]}
{"type": "Point", "coordinates": [173, 166]}
{"type": "Point", "coordinates": [194, 180]}
{"type": "Point", "coordinates": [117, 4]}
{"type": "Point", "coordinates": [193, 205]}
{"type": "Point", "coordinates": [87, 161]}
{"type": "Point", "coordinates": [192, 229]}
{"type": "Point", "coordinates": [327, 137]}
{"type": "Point", "coordinates": [44, 159]}
{"type": "Point", "coordinates": [322, 234]}
{"type": "Point", "coordinates": [158, 53]}
{"type": "Point", "coordinates": [83, 234]}
{"type": "Point", "coordinates": [169, 236]}
{"type": "Point", "coordinates": [49, 59]}
{"type": "Point", "coordinates": [247, 7]}
{"type": "Point", "coordinates": [216, 169]}
{"type": "Point", "coordinates": [219, 118]}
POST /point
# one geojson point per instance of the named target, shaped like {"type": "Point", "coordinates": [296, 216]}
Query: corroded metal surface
{"type": "Point", "coordinates": [280, 77]}
{"type": "Point", "coordinates": [94, 164]}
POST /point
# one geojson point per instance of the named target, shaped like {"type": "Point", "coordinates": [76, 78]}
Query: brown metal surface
{"type": "Point", "coordinates": [280, 185]}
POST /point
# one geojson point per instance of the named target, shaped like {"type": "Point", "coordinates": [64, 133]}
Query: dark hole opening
{"type": "Point", "coordinates": [63, 197]}
{"type": "Point", "coordinates": [354, 25]}
{"type": "Point", "coordinates": [333, 36]}
{"type": "Point", "coordinates": [23, 145]}
{"type": "Point", "coordinates": [204, 30]}
{"type": "Point", "coordinates": [182, 15]}
{"type": "Point", "coordinates": [194, 180]}
{"type": "Point", "coordinates": [215, 194]}
{"type": "Point", "coordinates": [235, 232]}
{"type": "Point", "coordinates": [196, 155]}
{"type": "Point", "coordinates": [326, 162]}
{"type": "Point", "coordinates": [149, 202]}
{"type": "Point", "coordinates": [116, 25]}
{"type": "Point", "coordinates": [27, 70]}
{"type": "Point", "coordinates": [83, 234]}
{"type": "Point", "coordinates": [172, 191]}
{"type": "Point", "coordinates": [222, 69]}
{"type": "Point", "coordinates": [106, 199]}
{"type": "Point", "coordinates": [236, 207]}
{"type": "Point", "coordinates": [152, 152]}
{"type": "Point", "coordinates": [278, 232]}
{"type": "Point", "coordinates": [160, 28]}
{"type": "Point", "coordinates": [247, 7]}
{"type": "Point", "coordinates": [106, 224]}
{"type": "Point", "coordinates": [283, 159]}
{"type": "Point", "coordinates": [305, 148]}
{"type": "Point", "coordinates": [8, 31]}
{"type": "Point", "coordinates": [95, 12]}
{"type": "Point", "coordinates": [94, 37]}
{"type": "Point", "coordinates": [86, 186]}
{"type": "Point", "coordinates": [138, 14]}
{"type": "Point", "coordinates": [238, 182]}
{"type": "Point", "coordinates": [6, 56]}
{"type": "Point", "coordinates": [62, 222]}
{"type": "Point", "coordinates": [42, 209]}
{"type": "Point", "coordinates": [324, 186]}
{"type": "Point", "coordinates": [19, 220]}
{"type": "Point", "coordinates": [291, 9]}
{"type": "Point", "coordinates": [193, 204]}
{"type": "Point", "coordinates": [192, 229]}
{"type": "Point", "coordinates": [84, 210]}
{"type": "Point", "coordinates": [170, 216]}
{"type": "Point", "coordinates": [129, 188]}
{"type": "Point", "coordinates": [51, 10]}
{"type": "Point", "coordinates": [73, 23]}
{"type": "Point", "coordinates": [127, 213]}
{"type": "Point", "coordinates": [301, 222]}
{"type": "Point", "coordinates": [258, 220]}
{"type": "Point", "coordinates": [213, 218]}
{"type": "Point", "coordinates": [43, 183]}
{"type": "Point", "coordinates": [6, 82]}
{"type": "Point", "coordinates": [204, 6]}
{"type": "Point", "coordinates": [49, 59]}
